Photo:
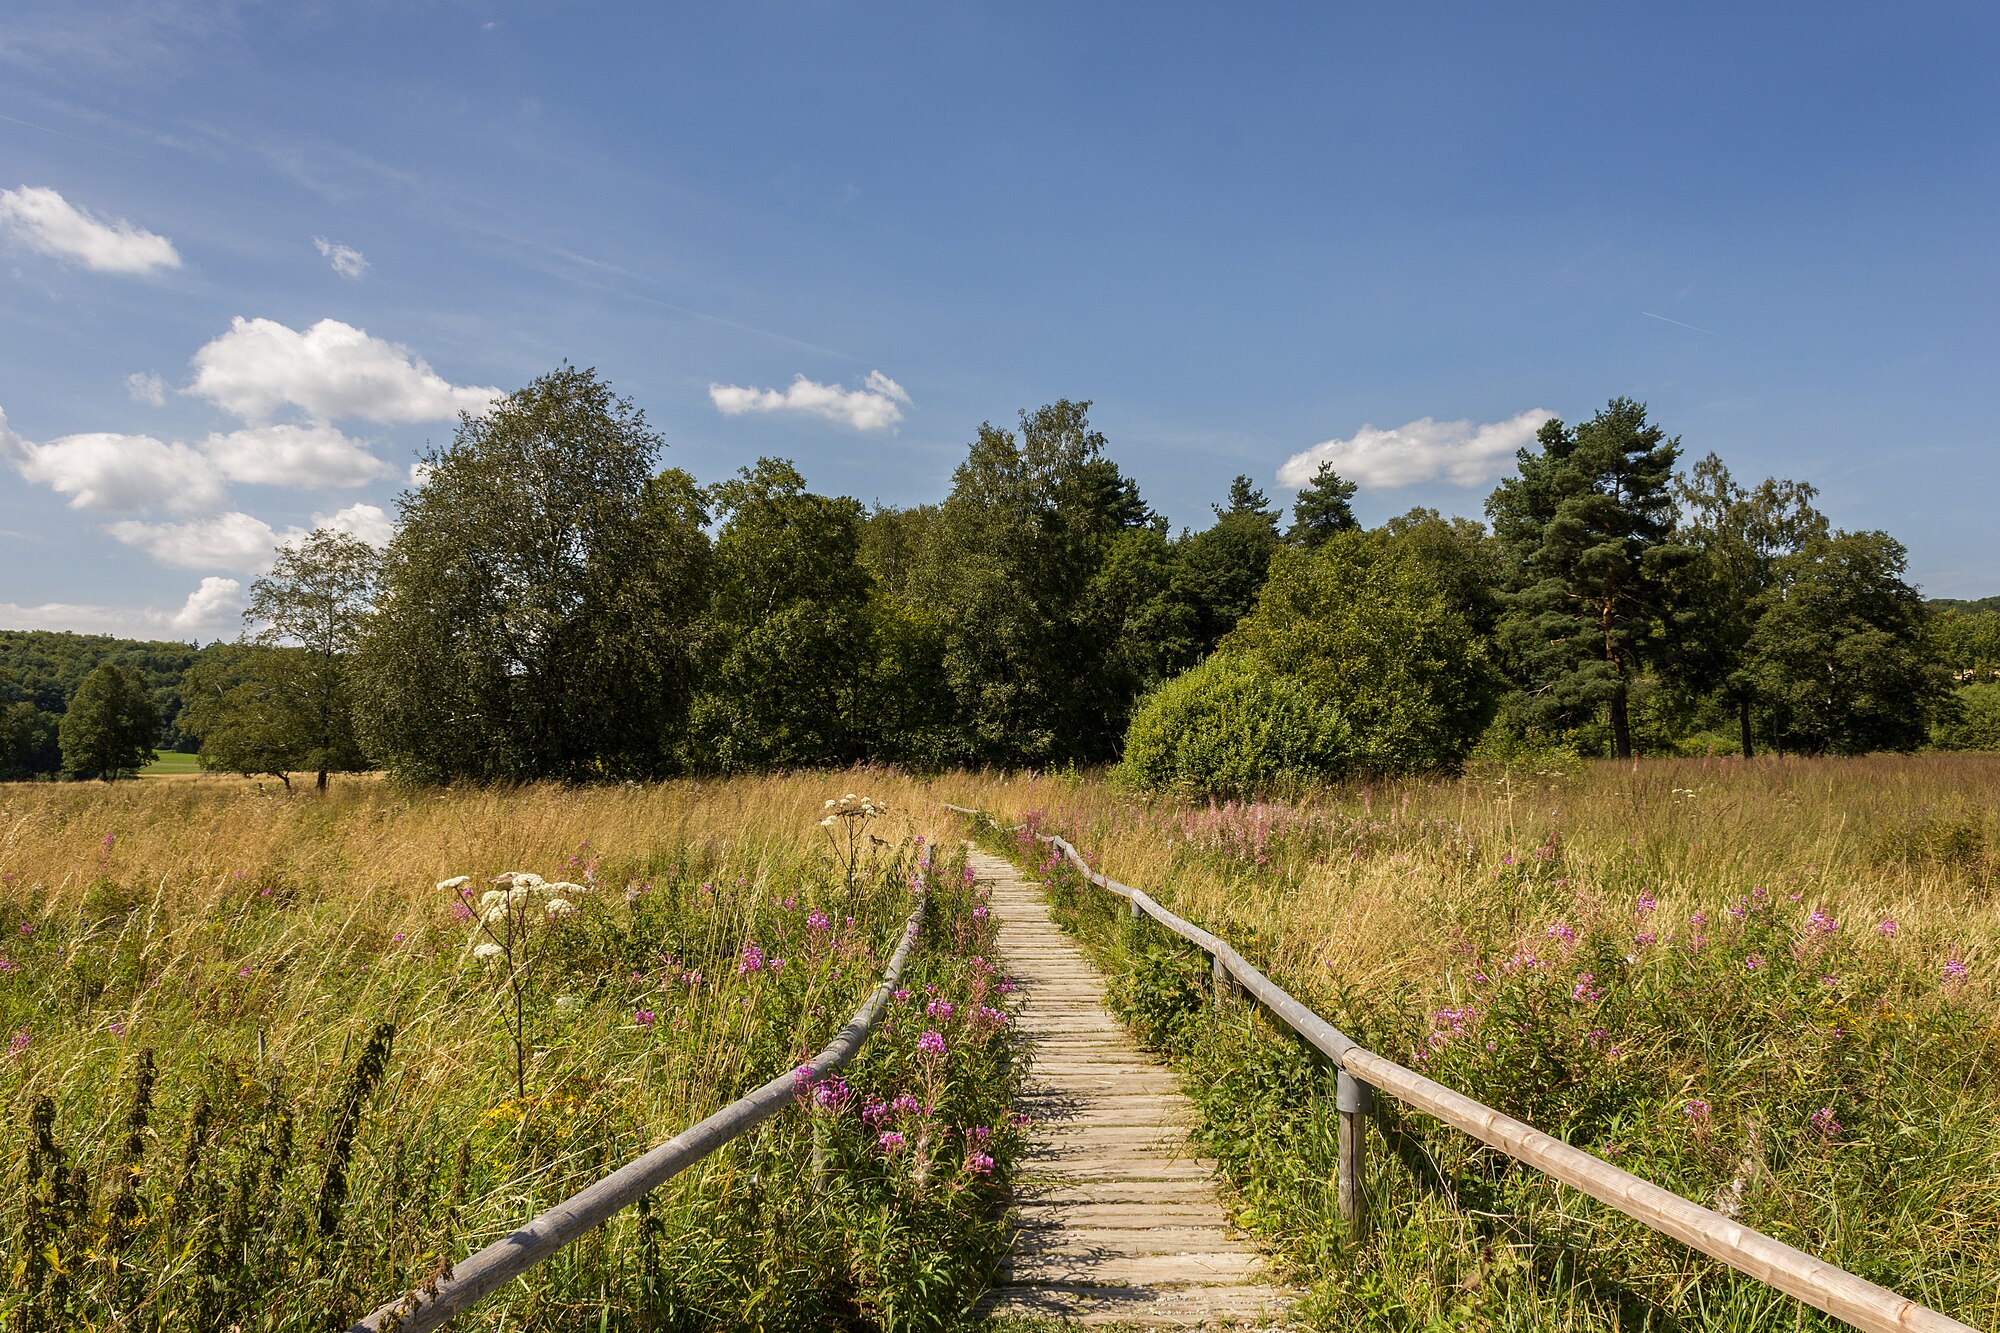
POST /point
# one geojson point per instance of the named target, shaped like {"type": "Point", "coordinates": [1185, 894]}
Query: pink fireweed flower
{"type": "Point", "coordinates": [1646, 905]}
{"type": "Point", "coordinates": [1644, 939]}
{"type": "Point", "coordinates": [777, 965]}
{"type": "Point", "coordinates": [117, 1029]}
{"type": "Point", "coordinates": [906, 1105]}
{"type": "Point", "coordinates": [818, 922]}
{"type": "Point", "coordinates": [1819, 923]}
{"type": "Point", "coordinates": [20, 1043]}
{"type": "Point", "coordinates": [1822, 1120]}
{"type": "Point", "coordinates": [1954, 971]}
{"type": "Point", "coordinates": [939, 1009]}
{"type": "Point", "coordinates": [903, 994]}
{"type": "Point", "coordinates": [979, 1163]}
{"type": "Point", "coordinates": [27, 927]}
{"type": "Point", "coordinates": [891, 1142]}
{"type": "Point", "coordinates": [931, 1044]}
{"type": "Point", "coordinates": [979, 913]}
{"type": "Point", "coordinates": [1753, 962]}
{"type": "Point", "coordinates": [644, 1017]}
{"type": "Point", "coordinates": [987, 1015]}
{"type": "Point", "coordinates": [1560, 931]}
{"type": "Point", "coordinates": [1583, 992]}
{"type": "Point", "coordinates": [1696, 1110]}
{"type": "Point", "coordinates": [752, 959]}
{"type": "Point", "coordinates": [1887, 929]}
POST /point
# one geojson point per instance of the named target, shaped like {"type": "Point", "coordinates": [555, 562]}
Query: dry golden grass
{"type": "Point", "coordinates": [1373, 884]}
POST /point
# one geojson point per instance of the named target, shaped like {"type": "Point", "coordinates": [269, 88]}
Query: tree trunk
{"type": "Point", "coordinates": [1743, 720]}
{"type": "Point", "coordinates": [321, 784]}
{"type": "Point", "coordinates": [1621, 726]}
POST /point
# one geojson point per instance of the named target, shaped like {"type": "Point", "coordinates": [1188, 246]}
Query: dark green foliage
{"type": "Point", "coordinates": [27, 741]}
{"type": "Point", "coordinates": [45, 667]}
{"type": "Point", "coordinates": [1366, 623]}
{"type": "Point", "coordinates": [1840, 650]}
{"type": "Point", "coordinates": [1016, 553]}
{"type": "Point", "coordinates": [1229, 560]}
{"type": "Point", "coordinates": [1232, 728]}
{"type": "Point", "coordinates": [1322, 509]}
{"type": "Point", "coordinates": [788, 651]}
{"type": "Point", "coordinates": [537, 605]}
{"type": "Point", "coordinates": [1738, 538]}
{"type": "Point", "coordinates": [1972, 721]}
{"type": "Point", "coordinates": [1586, 527]}
{"type": "Point", "coordinates": [109, 728]}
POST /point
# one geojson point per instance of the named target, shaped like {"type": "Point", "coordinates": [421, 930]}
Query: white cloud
{"type": "Point", "coordinates": [304, 456]}
{"type": "Point", "coordinates": [365, 522]}
{"type": "Point", "coordinates": [211, 611]}
{"type": "Point", "coordinates": [420, 474]}
{"type": "Point", "coordinates": [233, 540]}
{"type": "Point", "coordinates": [877, 405]}
{"type": "Point", "coordinates": [347, 261]}
{"type": "Point", "coordinates": [146, 387]}
{"type": "Point", "coordinates": [215, 602]}
{"type": "Point", "coordinates": [44, 221]}
{"type": "Point", "coordinates": [105, 471]}
{"type": "Point", "coordinates": [331, 370]}
{"type": "Point", "coordinates": [1423, 450]}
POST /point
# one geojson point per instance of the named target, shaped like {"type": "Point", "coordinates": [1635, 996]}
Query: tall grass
{"type": "Point", "coordinates": [257, 1074]}
{"type": "Point", "coordinates": [1771, 987]}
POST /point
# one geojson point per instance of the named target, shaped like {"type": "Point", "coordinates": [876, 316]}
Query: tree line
{"type": "Point", "coordinates": [555, 604]}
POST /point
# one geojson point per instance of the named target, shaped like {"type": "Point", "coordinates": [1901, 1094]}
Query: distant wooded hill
{"type": "Point", "coordinates": [41, 669]}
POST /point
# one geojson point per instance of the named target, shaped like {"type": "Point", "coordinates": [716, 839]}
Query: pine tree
{"type": "Point", "coordinates": [1322, 509]}
{"type": "Point", "coordinates": [1586, 526]}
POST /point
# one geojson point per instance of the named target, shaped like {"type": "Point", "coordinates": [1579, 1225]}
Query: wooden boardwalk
{"type": "Point", "coordinates": [1118, 1224]}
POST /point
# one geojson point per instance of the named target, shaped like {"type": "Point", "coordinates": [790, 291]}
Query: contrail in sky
{"type": "Point", "coordinates": [1710, 332]}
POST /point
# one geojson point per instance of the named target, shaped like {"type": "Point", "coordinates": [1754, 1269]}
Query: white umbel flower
{"type": "Point", "coordinates": [456, 881]}
{"type": "Point", "coordinates": [487, 950]}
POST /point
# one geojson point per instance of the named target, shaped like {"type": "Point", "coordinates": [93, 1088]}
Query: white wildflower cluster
{"type": "Point", "coordinates": [502, 913]}
{"type": "Point", "coordinates": [851, 806]}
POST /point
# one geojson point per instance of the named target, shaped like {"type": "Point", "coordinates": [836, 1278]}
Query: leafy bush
{"type": "Point", "coordinates": [1368, 625]}
{"type": "Point", "coordinates": [1231, 728]}
{"type": "Point", "coordinates": [1973, 722]}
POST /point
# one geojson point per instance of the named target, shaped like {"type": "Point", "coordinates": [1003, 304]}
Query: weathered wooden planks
{"type": "Point", "coordinates": [1116, 1222]}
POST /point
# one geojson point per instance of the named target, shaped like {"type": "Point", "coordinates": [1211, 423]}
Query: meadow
{"type": "Point", "coordinates": [1770, 986]}
{"type": "Point", "coordinates": [273, 1059]}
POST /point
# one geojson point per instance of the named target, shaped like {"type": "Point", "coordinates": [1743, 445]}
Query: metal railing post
{"type": "Point", "coordinates": [1354, 1100]}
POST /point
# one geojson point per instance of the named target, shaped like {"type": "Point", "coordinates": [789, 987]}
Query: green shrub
{"type": "Point", "coordinates": [1974, 723]}
{"type": "Point", "coordinates": [1230, 728]}
{"type": "Point", "coordinates": [1369, 626]}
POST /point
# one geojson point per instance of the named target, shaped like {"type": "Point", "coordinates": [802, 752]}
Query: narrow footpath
{"type": "Point", "coordinates": [1118, 1223]}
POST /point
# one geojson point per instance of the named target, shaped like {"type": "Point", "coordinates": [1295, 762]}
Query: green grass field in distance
{"type": "Point", "coordinates": [171, 762]}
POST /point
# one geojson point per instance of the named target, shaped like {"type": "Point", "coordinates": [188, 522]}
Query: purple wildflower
{"type": "Point", "coordinates": [644, 1017]}
{"type": "Point", "coordinates": [930, 1044]}
{"type": "Point", "coordinates": [1823, 1121]}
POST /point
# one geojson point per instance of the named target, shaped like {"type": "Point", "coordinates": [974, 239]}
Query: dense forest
{"type": "Point", "coordinates": [554, 604]}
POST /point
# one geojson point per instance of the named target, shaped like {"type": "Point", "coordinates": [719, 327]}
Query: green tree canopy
{"type": "Point", "coordinates": [537, 604]}
{"type": "Point", "coordinates": [1737, 538]}
{"type": "Point", "coordinates": [1232, 728]}
{"type": "Point", "coordinates": [1366, 623]}
{"type": "Point", "coordinates": [1586, 526]}
{"type": "Point", "coordinates": [1230, 559]}
{"type": "Point", "coordinates": [107, 731]}
{"type": "Point", "coordinates": [1010, 568]}
{"type": "Point", "coordinates": [1840, 650]}
{"type": "Point", "coordinates": [1322, 509]}
{"type": "Point", "coordinates": [788, 657]}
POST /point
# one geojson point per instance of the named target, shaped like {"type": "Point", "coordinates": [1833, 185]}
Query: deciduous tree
{"type": "Point", "coordinates": [538, 602]}
{"type": "Point", "coordinates": [107, 731]}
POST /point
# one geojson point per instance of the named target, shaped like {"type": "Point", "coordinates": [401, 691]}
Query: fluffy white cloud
{"type": "Point", "coordinates": [104, 471]}
{"type": "Point", "coordinates": [146, 387]}
{"type": "Point", "coordinates": [211, 611]}
{"type": "Point", "coordinates": [329, 371]}
{"type": "Point", "coordinates": [304, 456]}
{"type": "Point", "coordinates": [216, 602]}
{"type": "Point", "coordinates": [1423, 450]}
{"type": "Point", "coordinates": [233, 540]}
{"type": "Point", "coordinates": [877, 405]}
{"type": "Point", "coordinates": [44, 221]}
{"type": "Point", "coordinates": [364, 522]}
{"type": "Point", "coordinates": [347, 261]}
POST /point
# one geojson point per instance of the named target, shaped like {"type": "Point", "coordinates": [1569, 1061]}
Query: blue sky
{"type": "Point", "coordinates": [253, 257]}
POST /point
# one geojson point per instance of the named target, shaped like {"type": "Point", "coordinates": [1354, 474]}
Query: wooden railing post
{"type": "Point", "coordinates": [1353, 1099]}
{"type": "Point", "coordinates": [1225, 985]}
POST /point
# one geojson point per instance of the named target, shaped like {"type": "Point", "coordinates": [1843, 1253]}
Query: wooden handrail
{"type": "Point", "coordinates": [505, 1259]}
{"type": "Point", "coordinates": [1853, 1300]}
